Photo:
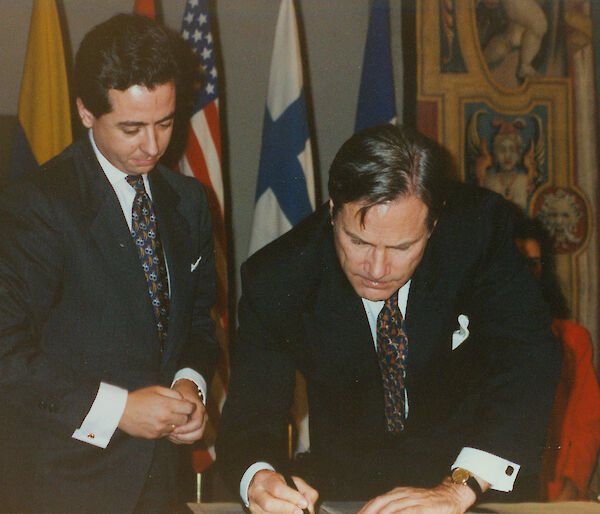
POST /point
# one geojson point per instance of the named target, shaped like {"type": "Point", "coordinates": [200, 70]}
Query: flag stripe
{"type": "Point", "coordinates": [211, 111]}
{"type": "Point", "coordinates": [203, 128]}
{"type": "Point", "coordinates": [194, 164]}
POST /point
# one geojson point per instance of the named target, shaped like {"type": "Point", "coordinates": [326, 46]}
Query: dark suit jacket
{"type": "Point", "coordinates": [298, 311]}
{"type": "Point", "coordinates": [74, 311]}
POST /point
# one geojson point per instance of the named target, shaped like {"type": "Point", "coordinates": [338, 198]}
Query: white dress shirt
{"type": "Point", "coordinates": [491, 468]}
{"type": "Point", "coordinates": [105, 413]}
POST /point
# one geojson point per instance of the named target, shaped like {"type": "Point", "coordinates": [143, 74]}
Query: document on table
{"type": "Point", "coordinates": [340, 507]}
{"type": "Point", "coordinates": [488, 508]}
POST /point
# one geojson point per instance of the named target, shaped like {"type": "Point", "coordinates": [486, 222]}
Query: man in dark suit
{"type": "Point", "coordinates": [106, 341]}
{"type": "Point", "coordinates": [423, 338]}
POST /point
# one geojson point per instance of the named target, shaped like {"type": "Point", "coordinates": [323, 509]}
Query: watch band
{"type": "Point", "coordinates": [474, 484]}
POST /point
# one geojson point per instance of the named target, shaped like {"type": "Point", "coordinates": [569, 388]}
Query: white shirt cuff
{"type": "Point", "coordinates": [499, 472]}
{"type": "Point", "coordinates": [195, 377]}
{"type": "Point", "coordinates": [103, 417]}
{"type": "Point", "coordinates": [248, 476]}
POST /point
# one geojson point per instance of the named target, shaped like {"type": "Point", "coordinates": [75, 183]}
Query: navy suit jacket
{"type": "Point", "coordinates": [299, 312]}
{"type": "Point", "coordinates": [75, 311]}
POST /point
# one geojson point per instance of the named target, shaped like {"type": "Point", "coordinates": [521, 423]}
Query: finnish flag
{"type": "Point", "coordinates": [285, 191]}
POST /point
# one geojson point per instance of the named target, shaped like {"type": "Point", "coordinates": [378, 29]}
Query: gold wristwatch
{"type": "Point", "coordinates": [463, 476]}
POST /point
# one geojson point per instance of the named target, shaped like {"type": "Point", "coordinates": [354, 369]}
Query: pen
{"type": "Point", "coordinates": [290, 483]}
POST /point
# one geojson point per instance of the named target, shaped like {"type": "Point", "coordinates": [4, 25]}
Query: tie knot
{"type": "Point", "coordinates": [392, 301]}
{"type": "Point", "coordinates": [137, 182]}
{"type": "Point", "coordinates": [390, 312]}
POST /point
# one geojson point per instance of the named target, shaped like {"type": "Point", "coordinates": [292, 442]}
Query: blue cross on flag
{"type": "Point", "coordinates": [285, 192]}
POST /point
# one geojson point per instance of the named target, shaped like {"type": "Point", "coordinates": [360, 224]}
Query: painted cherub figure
{"type": "Point", "coordinates": [507, 149]}
{"type": "Point", "coordinates": [507, 170]}
{"type": "Point", "coordinates": [527, 25]}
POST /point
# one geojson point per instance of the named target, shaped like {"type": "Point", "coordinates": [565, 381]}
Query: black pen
{"type": "Point", "coordinates": [290, 483]}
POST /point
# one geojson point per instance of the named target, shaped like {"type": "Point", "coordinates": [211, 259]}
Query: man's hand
{"type": "Point", "coordinates": [193, 429]}
{"type": "Point", "coordinates": [446, 498]}
{"type": "Point", "coordinates": [153, 412]}
{"type": "Point", "coordinates": [268, 493]}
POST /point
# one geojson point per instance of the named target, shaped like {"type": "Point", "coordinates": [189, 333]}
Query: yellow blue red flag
{"type": "Point", "coordinates": [44, 115]}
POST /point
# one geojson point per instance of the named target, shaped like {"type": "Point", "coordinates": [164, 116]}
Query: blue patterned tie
{"type": "Point", "coordinates": [392, 348]}
{"type": "Point", "coordinates": [145, 235]}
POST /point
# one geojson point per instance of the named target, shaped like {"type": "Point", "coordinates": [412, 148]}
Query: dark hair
{"type": "Point", "coordinates": [124, 51]}
{"type": "Point", "coordinates": [528, 228]}
{"type": "Point", "coordinates": [380, 164]}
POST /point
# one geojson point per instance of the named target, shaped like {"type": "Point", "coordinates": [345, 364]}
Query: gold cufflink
{"type": "Point", "coordinates": [91, 436]}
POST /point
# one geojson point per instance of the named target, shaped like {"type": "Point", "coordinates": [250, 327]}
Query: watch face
{"type": "Point", "coordinates": [460, 475]}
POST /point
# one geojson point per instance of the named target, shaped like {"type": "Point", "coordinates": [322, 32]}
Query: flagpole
{"type": "Point", "coordinates": [202, 160]}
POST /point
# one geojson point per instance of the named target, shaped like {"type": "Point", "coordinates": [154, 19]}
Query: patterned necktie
{"type": "Point", "coordinates": [145, 235]}
{"type": "Point", "coordinates": [392, 347]}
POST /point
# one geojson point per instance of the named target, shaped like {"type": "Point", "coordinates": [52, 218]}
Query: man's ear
{"type": "Point", "coordinates": [87, 118]}
{"type": "Point", "coordinates": [331, 211]}
{"type": "Point", "coordinates": [432, 228]}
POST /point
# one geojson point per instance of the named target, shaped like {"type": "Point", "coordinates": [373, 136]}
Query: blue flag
{"type": "Point", "coordinates": [376, 101]}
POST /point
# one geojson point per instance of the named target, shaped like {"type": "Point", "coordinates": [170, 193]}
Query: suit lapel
{"type": "Point", "coordinates": [339, 351]}
{"type": "Point", "coordinates": [174, 233]}
{"type": "Point", "coordinates": [337, 316]}
{"type": "Point", "coordinates": [424, 315]}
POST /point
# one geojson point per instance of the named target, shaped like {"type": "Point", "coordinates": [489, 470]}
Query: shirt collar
{"type": "Point", "coordinates": [402, 300]}
{"type": "Point", "coordinates": [114, 175]}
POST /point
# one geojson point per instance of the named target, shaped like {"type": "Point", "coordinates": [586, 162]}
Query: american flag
{"type": "Point", "coordinates": [202, 159]}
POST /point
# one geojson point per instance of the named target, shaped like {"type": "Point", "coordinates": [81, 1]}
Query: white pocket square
{"type": "Point", "coordinates": [194, 265]}
{"type": "Point", "coordinates": [459, 336]}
